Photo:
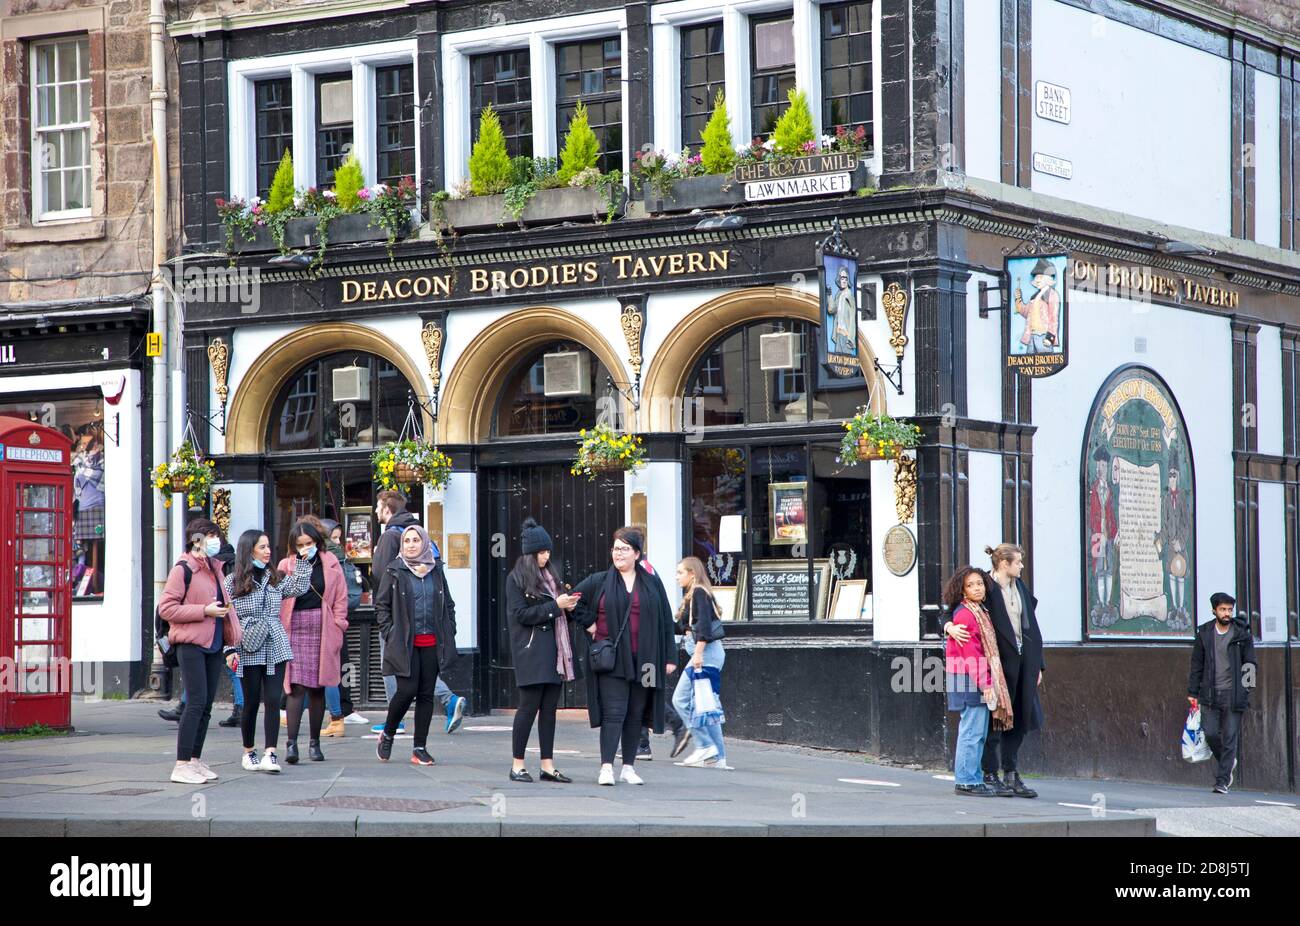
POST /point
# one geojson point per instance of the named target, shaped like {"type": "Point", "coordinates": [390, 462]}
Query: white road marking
{"type": "Point", "coordinates": [488, 729]}
{"type": "Point", "coordinates": [1276, 803]}
{"type": "Point", "coordinates": [1104, 810]}
{"type": "Point", "coordinates": [868, 781]}
{"type": "Point", "coordinates": [946, 777]}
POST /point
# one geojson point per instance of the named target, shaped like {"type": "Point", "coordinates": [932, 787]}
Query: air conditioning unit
{"type": "Point", "coordinates": [352, 384]}
{"type": "Point", "coordinates": [777, 351]}
{"type": "Point", "coordinates": [566, 373]}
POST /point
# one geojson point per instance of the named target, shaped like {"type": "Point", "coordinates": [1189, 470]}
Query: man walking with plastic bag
{"type": "Point", "coordinates": [1219, 683]}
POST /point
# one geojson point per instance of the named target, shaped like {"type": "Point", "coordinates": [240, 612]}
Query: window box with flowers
{"type": "Point", "coordinates": [407, 463]}
{"type": "Point", "coordinates": [187, 474]}
{"type": "Point", "coordinates": [868, 436]}
{"type": "Point", "coordinates": [604, 450]}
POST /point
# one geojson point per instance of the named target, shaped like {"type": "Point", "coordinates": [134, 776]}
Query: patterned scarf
{"type": "Point", "coordinates": [1003, 716]}
{"type": "Point", "coordinates": [563, 646]}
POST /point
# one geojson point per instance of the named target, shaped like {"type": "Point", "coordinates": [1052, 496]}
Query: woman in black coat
{"type": "Point", "coordinates": [542, 644]}
{"type": "Point", "coordinates": [628, 604]}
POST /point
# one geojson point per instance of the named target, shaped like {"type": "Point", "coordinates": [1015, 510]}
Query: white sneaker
{"type": "Point", "coordinates": [630, 776]}
{"type": "Point", "coordinates": [354, 717]}
{"type": "Point", "coordinates": [700, 756]}
{"type": "Point", "coordinates": [202, 767]}
{"type": "Point", "coordinates": [250, 761]}
{"type": "Point", "coordinates": [187, 774]}
{"type": "Point", "coordinates": [606, 775]}
{"type": "Point", "coordinates": [722, 764]}
{"type": "Point", "coordinates": [269, 763]}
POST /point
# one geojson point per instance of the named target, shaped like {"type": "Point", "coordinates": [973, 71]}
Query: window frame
{"type": "Point", "coordinates": [752, 24]}
{"type": "Point", "coordinates": [711, 95]}
{"type": "Point", "coordinates": [302, 68]}
{"type": "Point", "coordinates": [510, 108]}
{"type": "Point", "coordinates": [822, 39]}
{"type": "Point", "coordinates": [602, 98]}
{"type": "Point", "coordinates": [378, 126]}
{"type": "Point", "coordinates": [40, 216]}
{"type": "Point", "coordinates": [320, 128]}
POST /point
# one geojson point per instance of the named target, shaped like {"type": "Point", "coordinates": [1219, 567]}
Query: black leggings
{"type": "Point", "coordinates": [538, 701]}
{"type": "Point", "coordinates": [418, 687]}
{"type": "Point", "coordinates": [201, 672]}
{"type": "Point", "coordinates": [264, 687]}
{"type": "Point", "coordinates": [622, 704]}
{"type": "Point", "coordinates": [315, 698]}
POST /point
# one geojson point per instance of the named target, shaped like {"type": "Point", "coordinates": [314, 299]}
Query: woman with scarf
{"type": "Point", "coordinates": [417, 620]}
{"type": "Point", "coordinates": [627, 605]}
{"type": "Point", "coordinates": [540, 640]}
{"type": "Point", "coordinates": [976, 686]}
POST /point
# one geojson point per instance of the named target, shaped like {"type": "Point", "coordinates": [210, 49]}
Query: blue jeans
{"type": "Point", "coordinates": [234, 684]}
{"type": "Point", "coordinates": [333, 702]}
{"type": "Point", "coordinates": [709, 734]}
{"type": "Point", "coordinates": [440, 691]}
{"type": "Point", "coordinates": [971, 733]}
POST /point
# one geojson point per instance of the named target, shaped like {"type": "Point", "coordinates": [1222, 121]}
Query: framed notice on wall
{"type": "Point", "coordinates": [358, 540]}
{"type": "Point", "coordinates": [788, 505]}
{"type": "Point", "coordinates": [781, 590]}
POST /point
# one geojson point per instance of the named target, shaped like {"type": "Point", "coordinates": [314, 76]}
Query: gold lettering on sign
{"type": "Point", "coordinates": [478, 280]}
{"type": "Point", "coordinates": [590, 273]}
{"type": "Point", "coordinates": [351, 290]}
{"type": "Point", "coordinates": [695, 262]}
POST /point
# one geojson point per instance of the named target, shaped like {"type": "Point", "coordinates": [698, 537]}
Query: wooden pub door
{"type": "Point", "coordinates": [581, 517]}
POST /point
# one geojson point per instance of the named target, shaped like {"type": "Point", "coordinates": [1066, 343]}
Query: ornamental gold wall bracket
{"type": "Point", "coordinates": [631, 320]}
{"type": "Point", "coordinates": [432, 336]}
{"type": "Point", "coordinates": [904, 488]}
{"type": "Point", "coordinates": [894, 300]}
{"type": "Point", "coordinates": [219, 362]}
{"type": "Point", "coordinates": [221, 510]}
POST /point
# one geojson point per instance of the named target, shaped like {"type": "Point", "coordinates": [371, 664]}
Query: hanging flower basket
{"type": "Point", "coordinates": [604, 450]}
{"type": "Point", "coordinates": [406, 463]}
{"type": "Point", "coordinates": [187, 474]}
{"type": "Point", "coordinates": [868, 436]}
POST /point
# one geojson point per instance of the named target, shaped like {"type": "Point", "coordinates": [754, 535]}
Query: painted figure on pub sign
{"type": "Point", "coordinates": [1037, 332]}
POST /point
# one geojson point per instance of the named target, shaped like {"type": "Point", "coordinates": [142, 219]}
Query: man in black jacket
{"type": "Point", "coordinates": [1220, 683]}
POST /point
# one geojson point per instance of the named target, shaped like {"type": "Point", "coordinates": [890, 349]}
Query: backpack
{"type": "Point", "coordinates": [354, 584]}
{"type": "Point", "coordinates": [161, 628]}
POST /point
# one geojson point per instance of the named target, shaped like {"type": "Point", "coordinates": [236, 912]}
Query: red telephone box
{"type": "Point", "coordinates": [35, 576]}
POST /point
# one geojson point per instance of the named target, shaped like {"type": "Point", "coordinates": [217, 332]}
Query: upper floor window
{"type": "Point", "coordinates": [333, 124]}
{"type": "Point", "coordinates": [61, 128]}
{"type": "Point", "coordinates": [846, 67]}
{"type": "Point", "coordinates": [274, 102]}
{"type": "Point", "coordinates": [395, 123]}
{"type": "Point", "coordinates": [772, 71]}
{"type": "Point", "coordinates": [591, 73]}
{"type": "Point", "coordinates": [503, 81]}
{"type": "Point", "coordinates": [702, 78]}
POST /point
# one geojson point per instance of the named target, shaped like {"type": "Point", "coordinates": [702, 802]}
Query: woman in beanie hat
{"type": "Point", "coordinates": [541, 640]}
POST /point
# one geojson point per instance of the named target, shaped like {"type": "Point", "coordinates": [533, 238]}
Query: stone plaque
{"type": "Point", "coordinates": [899, 550]}
{"type": "Point", "coordinates": [458, 551]}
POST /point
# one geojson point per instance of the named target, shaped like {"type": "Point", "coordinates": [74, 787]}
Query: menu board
{"type": "Point", "coordinates": [358, 542]}
{"type": "Point", "coordinates": [781, 592]}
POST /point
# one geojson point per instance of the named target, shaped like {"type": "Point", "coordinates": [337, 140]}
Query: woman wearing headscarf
{"type": "Point", "coordinates": [538, 607]}
{"type": "Point", "coordinates": [417, 620]}
{"type": "Point", "coordinates": [627, 604]}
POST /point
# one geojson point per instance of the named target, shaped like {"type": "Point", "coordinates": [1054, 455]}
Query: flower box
{"type": "Point", "coordinates": [547, 207]}
{"type": "Point", "coordinates": [711, 191]}
{"type": "Point", "coordinates": [353, 228]}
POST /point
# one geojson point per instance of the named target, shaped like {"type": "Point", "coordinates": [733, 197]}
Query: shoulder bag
{"type": "Point", "coordinates": [604, 653]}
{"type": "Point", "coordinates": [257, 629]}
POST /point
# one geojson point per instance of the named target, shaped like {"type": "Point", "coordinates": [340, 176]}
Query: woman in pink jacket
{"type": "Point", "coordinates": [200, 625]}
{"type": "Point", "coordinates": [976, 687]}
{"type": "Point", "coordinates": [315, 622]}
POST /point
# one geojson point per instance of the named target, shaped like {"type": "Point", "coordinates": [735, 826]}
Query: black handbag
{"type": "Point", "coordinates": [604, 653]}
{"type": "Point", "coordinates": [714, 630]}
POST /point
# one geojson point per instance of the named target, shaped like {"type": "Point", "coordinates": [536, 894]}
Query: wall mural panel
{"type": "Point", "coordinates": [1138, 513]}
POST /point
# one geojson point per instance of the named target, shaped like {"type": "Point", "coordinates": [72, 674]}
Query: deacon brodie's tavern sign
{"type": "Point", "coordinates": [583, 273]}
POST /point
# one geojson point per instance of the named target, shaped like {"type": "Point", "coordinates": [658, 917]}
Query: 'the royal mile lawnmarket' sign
{"type": "Point", "coordinates": [790, 178]}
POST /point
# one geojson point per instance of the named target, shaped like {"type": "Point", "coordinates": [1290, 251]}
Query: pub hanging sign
{"type": "Point", "coordinates": [837, 347]}
{"type": "Point", "coordinates": [1038, 332]}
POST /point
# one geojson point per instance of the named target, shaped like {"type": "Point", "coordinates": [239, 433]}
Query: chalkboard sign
{"type": "Point", "coordinates": [781, 589]}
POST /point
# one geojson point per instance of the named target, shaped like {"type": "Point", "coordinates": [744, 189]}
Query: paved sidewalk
{"type": "Point", "coordinates": [111, 778]}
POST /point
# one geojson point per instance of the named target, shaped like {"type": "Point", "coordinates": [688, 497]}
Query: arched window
{"type": "Point", "coordinates": [733, 388]}
{"type": "Point", "coordinates": [340, 401]}
{"type": "Point", "coordinates": [576, 381]}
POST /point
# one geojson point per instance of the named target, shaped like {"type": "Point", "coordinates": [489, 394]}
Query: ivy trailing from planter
{"type": "Point", "coordinates": [390, 208]}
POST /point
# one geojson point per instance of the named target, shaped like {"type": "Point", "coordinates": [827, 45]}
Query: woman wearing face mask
{"type": "Point", "coordinates": [537, 607]}
{"type": "Point", "coordinates": [257, 589]}
{"type": "Point", "coordinates": [417, 619]}
{"type": "Point", "coordinates": [200, 625]}
{"type": "Point", "coordinates": [627, 605]}
{"type": "Point", "coordinates": [316, 621]}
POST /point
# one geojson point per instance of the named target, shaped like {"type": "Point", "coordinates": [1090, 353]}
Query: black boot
{"type": "Point", "coordinates": [1018, 787]}
{"type": "Point", "coordinates": [233, 720]}
{"type": "Point", "coordinates": [313, 751]}
{"type": "Point", "coordinates": [291, 752]}
{"type": "Point", "coordinates": [999, 787]}
{"type": "Point", "coordinates": [168, 713]}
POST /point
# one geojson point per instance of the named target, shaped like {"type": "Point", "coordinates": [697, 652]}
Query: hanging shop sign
{"type": "Point", "coordinates": [1038, 333]}
{"type": "Point", "coordinates": [1138, 510]}
{"type": "Point", "coordinates": [1052, 102]}
{"type": "Point", "coordinates": [781, 589]}
{"type": "Point", "coordinates": [796, 178]}
{"type": "Point", "coordinates": [488, 279]}
{"type": "Point", "coordinates": [837, 342]}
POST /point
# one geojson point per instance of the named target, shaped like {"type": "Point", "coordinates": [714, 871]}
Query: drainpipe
{"type": "Point", "coordinates": [158, 368]}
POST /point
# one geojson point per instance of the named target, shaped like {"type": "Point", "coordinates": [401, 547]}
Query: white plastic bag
{"type": "Point", "coordinates": [1195, 748]}
{"type": "Point", "coordinates": [705, 700]}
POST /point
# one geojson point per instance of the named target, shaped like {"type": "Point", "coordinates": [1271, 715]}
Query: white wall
{"type": "Point", "coordinates": [1272, 562]}
{"type": "Point", "coordinates": [984, 485]}
{"type": "Point", "coordinates": [1268, 160]}
{"type": "Point", "coordinates": [459, 516]}
{"type": "Point", "coordinates": [1268, 377]}
{"type": "Point", "coordinates": [895, 599]}
{"type": "Point", "coordinates": [1061, 406]}
{"type": "Point", "coordinates": [246, 508]}
{"type": "Point", "coordinates": [983, 354]}
{"type": "Point", "coordinates": [1151, 118]}
{"type": "Point", "coordinates": [983, 89]}
{"type": "Point", "coordinates": [109, 630]}
{"type": "Point", "coordinates": [662, 483]}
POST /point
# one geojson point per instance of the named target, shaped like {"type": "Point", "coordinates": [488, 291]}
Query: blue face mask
{"type": "Point", "coordinates": [213, 546]}
{"type": "Point", "coordinates": [259, 564]}
{"type": "Point", "coordinates": [310, 552]}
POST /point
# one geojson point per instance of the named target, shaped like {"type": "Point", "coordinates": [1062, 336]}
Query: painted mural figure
{"type": "Point", "coordinates": [1103, 528]}
{"type": "Point", "coordinates": [1175, 521]}
{"type": "Point", "coordinates": [1042, 311]}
